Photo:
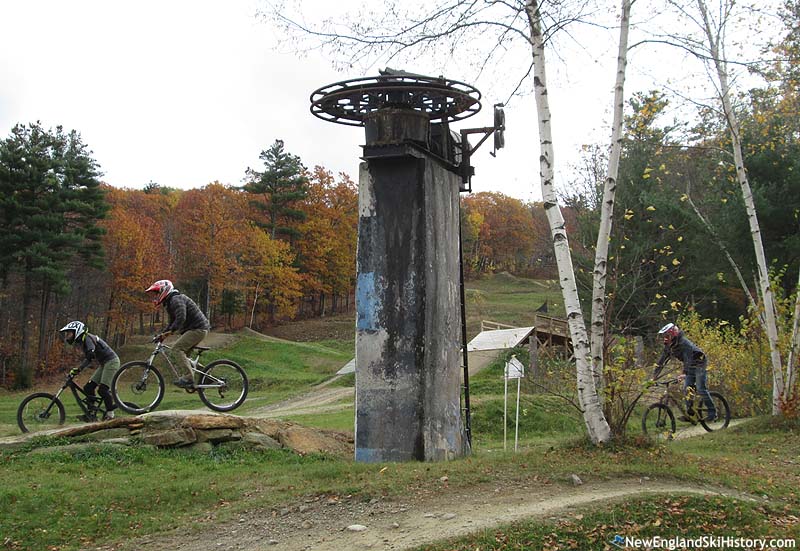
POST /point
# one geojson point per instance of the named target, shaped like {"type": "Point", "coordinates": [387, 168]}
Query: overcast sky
{"type": "Point", "coordinates": [183, 93]}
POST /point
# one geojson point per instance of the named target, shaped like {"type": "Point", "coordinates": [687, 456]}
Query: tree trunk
{"type": "Point", "coordinates": [253, 311]}
{"type": "Point", "coordinates": [747, 196]}
{"type": "Point", "coordinates": [106, 334]}
{"type": "Point", "coordinates": [43, 321]}
{"type": "Point", "coordinates": [593, 417]}
{"type": "Point", "coordinates": [24, 377]}
{"type": "Point", "coordinates": [607, 210]}
{"type": "Point", "coordinates": [791, 372]}
{"type": "Point", "coordinates": [208, 298]}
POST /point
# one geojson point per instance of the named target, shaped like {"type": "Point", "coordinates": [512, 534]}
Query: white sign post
{"type": "Point", "coordinates": [514, 370]}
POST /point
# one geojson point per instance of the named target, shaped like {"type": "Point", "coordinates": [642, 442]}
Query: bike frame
{"type": "Point", "coordinates": [669, 396]}
{"type": "Point", "coordinates": [194, 365]}
{"type": "Point", "coordinates": [75, 388]}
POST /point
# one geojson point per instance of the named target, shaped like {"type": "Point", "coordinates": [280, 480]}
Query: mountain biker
{"type": "Point", "coordinates": [677, 346]}
{"type": "Point", "coordinates": [186, 318]}
{"type": "Point", "coordinates": [93, 348]}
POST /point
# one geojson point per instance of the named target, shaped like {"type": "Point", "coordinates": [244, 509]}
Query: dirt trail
{"type": "Point", "coordinates": [698, 430]}
{"type": "Point", "coordinates": [404, 523]}
{"type": "Point", "coordinates": [322, 399]}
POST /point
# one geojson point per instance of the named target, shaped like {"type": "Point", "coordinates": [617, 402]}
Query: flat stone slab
{"type": "Point", "coordinates": [169, 438]}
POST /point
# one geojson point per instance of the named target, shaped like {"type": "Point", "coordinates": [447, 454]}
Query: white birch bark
{"type": "Point", "coordinates": [747, 196]}
{"type": "Point", "coordinates": [791, 372]}
{"type": "Point", "coordinates": [253, 311]}
{"type": "Point", "coordinates": [598, 326]}
{"type": "Point", "coordinates": [588, 399]}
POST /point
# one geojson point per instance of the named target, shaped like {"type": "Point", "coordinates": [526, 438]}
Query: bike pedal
{"type": "Point", "coordinates": [191, 390]}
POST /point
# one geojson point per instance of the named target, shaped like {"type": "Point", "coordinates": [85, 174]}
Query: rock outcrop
{"type": "Point", "coordinates": [202, 431]}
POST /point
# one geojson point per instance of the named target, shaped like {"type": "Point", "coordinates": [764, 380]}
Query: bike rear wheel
{"type": "Point", "coordinates": [658, 422]}
{"type": "Point", "coordinates": [137, 387]}
{"type": "Point", "coordinates": [723, 413]}
{"type": "Point", "coordinates": [223, 385]}
{"type": "Point", "coordinates": [40, 411]}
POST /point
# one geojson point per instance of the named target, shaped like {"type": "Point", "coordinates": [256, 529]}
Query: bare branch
{"type": "Point", "coordinates": [699, 55]}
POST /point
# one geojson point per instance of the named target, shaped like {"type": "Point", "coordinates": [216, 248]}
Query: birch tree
{"type": "Point", "coordinates": [588, 397]}
{"type": "Point", "coordinates": [599, 273]}
{"type": "Point", "coordinates": [712, 29]}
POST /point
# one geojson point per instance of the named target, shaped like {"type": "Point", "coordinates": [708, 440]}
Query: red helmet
{"type": "Point", "coordinates": [669, 332]}
{"type": "Point", "coordinates": [163, 287]}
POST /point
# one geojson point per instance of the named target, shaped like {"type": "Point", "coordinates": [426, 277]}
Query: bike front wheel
{"type": "Point", "coordinates": [223, 385]}
{"type": "Point", "coordinates": [138, 387]}
{"type": "Point", "coordinates": [40, 411]}
{"type": "Point", "coordinates": [722, 413]}
{"type": "Point", "coordinates": [658, 422]}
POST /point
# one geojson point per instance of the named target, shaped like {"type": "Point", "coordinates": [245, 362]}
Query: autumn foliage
{"type": "Point", "coordinates": [503, 234]}
{"type": "Point", "coordinates": [209, 242]}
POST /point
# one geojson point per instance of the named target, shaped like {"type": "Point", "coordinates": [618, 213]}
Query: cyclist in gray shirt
{"type": "Point", "coordinates": [94, 349]}
{"type": "Point", "coordinates": [186, 318]}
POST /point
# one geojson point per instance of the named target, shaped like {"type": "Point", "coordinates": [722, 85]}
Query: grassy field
{"type": "Point", "coordinates": [65, 500]}
{"type": "Point", "coordinates": [510, 300]}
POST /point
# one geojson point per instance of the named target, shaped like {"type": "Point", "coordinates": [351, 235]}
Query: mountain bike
{"type": "Point", "coordinates": [42, 410]}
{"type": "Point", "coordinates": [659, 421]}
{"type": "Point", "coordinates": [138, 387]}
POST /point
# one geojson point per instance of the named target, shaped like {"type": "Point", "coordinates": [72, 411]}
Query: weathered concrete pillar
{"type": "Point", "coordinates": [407, 297]}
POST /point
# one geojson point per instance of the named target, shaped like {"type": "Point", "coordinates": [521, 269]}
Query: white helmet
{"type": "Point", "coordinates": [77, 327]}
{"type": "Point", "coordinates": [669, 332]}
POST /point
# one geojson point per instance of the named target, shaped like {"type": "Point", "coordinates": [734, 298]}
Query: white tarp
{"type": "Point", "coordinates": [500, 339]}
{"type": "Point", "coordinates": [349, 367]}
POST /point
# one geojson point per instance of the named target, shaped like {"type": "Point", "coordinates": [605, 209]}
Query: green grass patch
{"type": "Point", "coordinates": [127, 492]}
{"type": "Point", "coordinates": [347, 347]}
{"type": "Point", "coordinates": [345, 380]}
{"type": "Point", "coordinates": [508, 299]}
{"type": "Point", "coordinates": [541, 415]}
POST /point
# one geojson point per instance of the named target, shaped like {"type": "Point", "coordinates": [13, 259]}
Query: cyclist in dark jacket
{"type": "Point", "coordinates": [677, 346]}
{"type": "Point", "coordinates": [186, 318]}
{"type": "Point", "coordinates": [94, 349]}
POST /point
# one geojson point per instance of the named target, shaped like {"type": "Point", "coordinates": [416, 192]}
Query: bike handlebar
{"type": "Point", "coordinates": [668, 381]}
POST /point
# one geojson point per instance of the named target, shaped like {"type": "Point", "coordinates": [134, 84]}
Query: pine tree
{"type": "Point", "coordinates": [281, 185]}
{"type": "Point", "coordinates": [50, 201]}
